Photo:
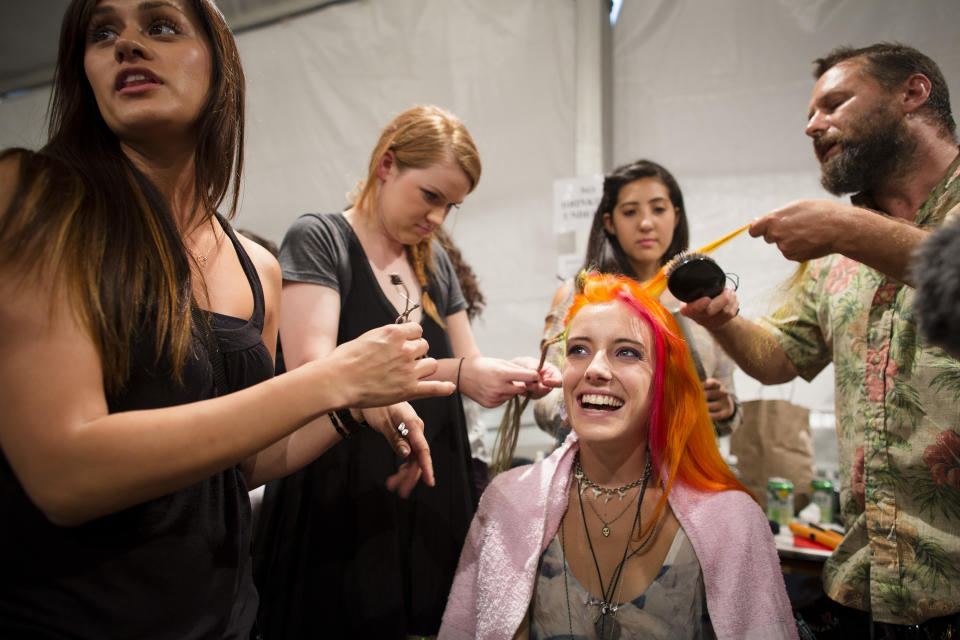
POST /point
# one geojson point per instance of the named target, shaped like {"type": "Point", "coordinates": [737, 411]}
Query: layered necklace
{"type": "Point", "coordinates": [606, 624]}
{"type": "Point", "coordinates": [584, 483]}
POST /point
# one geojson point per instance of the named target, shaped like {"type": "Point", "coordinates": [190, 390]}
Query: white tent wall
{"type": "Point", "coordinates": [716, 91]}
{"type": "Point", "coordinates": [322, 86]}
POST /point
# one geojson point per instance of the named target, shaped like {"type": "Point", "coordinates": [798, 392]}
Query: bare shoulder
{"type": "Point", "coordinates": [267, 266]}
{"type": "Point", "coordinates": [562, 293]}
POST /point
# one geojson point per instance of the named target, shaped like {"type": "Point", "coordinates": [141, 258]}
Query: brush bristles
{"type": "Point", "coordinates": [681, 258]}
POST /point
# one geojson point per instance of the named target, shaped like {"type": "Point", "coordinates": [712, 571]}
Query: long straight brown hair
{"type": "Point", "coordinates": [82, 209]}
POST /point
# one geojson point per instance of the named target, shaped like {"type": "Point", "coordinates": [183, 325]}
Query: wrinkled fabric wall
{"type": "Point", "coordinates": [323, 85]}
{"type": "Point", "coordinates": [716, 91]}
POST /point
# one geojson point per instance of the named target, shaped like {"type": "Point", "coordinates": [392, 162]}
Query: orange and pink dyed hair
{"type": "Point", "coordinates": [681, 436]}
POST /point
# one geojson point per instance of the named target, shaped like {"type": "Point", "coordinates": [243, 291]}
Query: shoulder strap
{"type": "Point", "coordinates": [202, 321]}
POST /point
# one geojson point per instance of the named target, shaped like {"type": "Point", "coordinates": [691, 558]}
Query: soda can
{"type": "Point", "coordinates": [821, 494]}
{"type": "Point", "coordinates": [780, 501]}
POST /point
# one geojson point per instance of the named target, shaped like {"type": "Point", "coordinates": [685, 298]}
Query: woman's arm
{"type": "Point", "coordinates": [309, 325]}
{"type": "Point", "coordinates": [489, 381]}
{"type": "Point", "coordinates": [77, 461]}
{"type": "Point", "coordinates": [311, 440]}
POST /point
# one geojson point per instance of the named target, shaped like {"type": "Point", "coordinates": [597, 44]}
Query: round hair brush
{"type": "Point", "coordinates": [691, 276]}
{"type": "Point", "coordinates": [702, 270]}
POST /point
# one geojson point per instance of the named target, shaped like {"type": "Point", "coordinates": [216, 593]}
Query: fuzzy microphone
{"type": "Point", "coordinates": [936, 271]}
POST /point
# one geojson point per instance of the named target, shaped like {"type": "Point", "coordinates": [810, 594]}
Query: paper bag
{"type": "Point", "coordinates": [774, 440]}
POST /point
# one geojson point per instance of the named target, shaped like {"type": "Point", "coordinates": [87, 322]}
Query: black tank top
{"type": "Point", "coordinates": [174, 567]}
{"type": "Point", "coordinates": [336, 554]}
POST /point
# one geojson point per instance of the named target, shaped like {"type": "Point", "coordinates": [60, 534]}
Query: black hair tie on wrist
{"type": "Point", "coordinates": [459, 368]}
{"type": "Point", "coordinates": [344, 422]}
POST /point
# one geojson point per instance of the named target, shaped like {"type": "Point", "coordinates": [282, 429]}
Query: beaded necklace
{"type": "Point", "coordinates": [608, 609]}
{"type": "Point", "coordinates": [583, 482]}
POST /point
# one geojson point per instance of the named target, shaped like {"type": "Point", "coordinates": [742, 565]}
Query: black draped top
{"type": "Point", "coordinates": [177, 566]}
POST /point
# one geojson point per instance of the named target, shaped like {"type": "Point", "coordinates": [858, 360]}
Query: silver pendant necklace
{"type": "Point", "coordinates": [605, 530]}
{"type": "Point", "coordinates": [583, 482]}
{"type": "Point", "coordinates": [606, 624]}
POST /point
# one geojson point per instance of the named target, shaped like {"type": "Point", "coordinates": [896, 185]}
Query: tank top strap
{"type": "Point", "coordinates": [250, 271]}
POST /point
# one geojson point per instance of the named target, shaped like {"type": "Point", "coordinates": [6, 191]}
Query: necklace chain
{"type": "Point", "coordinates": [606, 525]}
{"type": "Point", "coordinates": [202, 259]}
{"type": "Point", "coordinates": [583, 482]}
{"type": "Point", "coordinates": [607, 608]}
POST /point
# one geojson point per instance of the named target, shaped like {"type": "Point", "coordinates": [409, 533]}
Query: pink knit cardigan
{"type": "Point", "coordinates": [520, 513]}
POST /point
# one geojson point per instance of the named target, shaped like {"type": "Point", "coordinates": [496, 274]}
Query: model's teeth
{"type": "Point", "coordinates": [137, 77]}
{"type": "Point", "coordinates": [603, 401]}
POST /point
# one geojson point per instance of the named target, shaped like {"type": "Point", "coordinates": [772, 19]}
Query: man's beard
{"type": "Point", "coordinates": [864, 163]}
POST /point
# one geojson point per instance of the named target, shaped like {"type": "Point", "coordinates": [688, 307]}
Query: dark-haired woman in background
{"type": "Point", "coordinates": [129, 304]}
{"type": "Point", "coordinates": [639, 226]}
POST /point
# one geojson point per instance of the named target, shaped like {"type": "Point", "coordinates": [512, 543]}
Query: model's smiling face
{"type": "Point", "coordinates": [608, 374]}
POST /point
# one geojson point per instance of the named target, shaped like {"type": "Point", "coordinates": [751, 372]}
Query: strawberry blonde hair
{"type": "Point", "coordinates": [681, 437]}
{"type": "Point", "coordinates": [420, 137]}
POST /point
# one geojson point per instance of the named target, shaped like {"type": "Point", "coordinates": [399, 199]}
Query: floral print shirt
{"type": "Point", "coordinates": [898, 430]}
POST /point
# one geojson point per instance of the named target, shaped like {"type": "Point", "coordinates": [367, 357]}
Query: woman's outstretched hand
{"type": "Point", "coordinates": [386, 365]}
{"type": "Point", "coordinates": [549, 377]}
{"type": "Point", "coordinates": [492, 381]}
{"type": "Point", "coordinates": [413, 446]}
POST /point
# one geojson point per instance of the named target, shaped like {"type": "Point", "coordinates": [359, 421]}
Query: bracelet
{"type": "Point", "coordinates": [459, 367]}
{"type": "Point", "coordinates": [344, 422]}
{"type": "Point", "coordinates": [736, 407]}
{"type": "Point", "coordinates": [350, 423]}
{"type": "Point", "coordinates": [336, 425]}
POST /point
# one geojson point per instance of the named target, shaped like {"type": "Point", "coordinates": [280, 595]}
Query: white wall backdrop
{"type": "Point", "coordinates": [715, 91]}
{"type": "Point", "coordinates": [718, 93]}
{"type": "Point", "coordinates": [322, 86]}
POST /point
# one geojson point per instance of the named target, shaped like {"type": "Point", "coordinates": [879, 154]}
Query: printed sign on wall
{"type": "Point", "coordinates": [575, 201]}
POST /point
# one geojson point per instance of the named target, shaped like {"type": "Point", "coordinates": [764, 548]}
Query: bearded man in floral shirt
{"type": "Point", "coordinates": [882, 129]}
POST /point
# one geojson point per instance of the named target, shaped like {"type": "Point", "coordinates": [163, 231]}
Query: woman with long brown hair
{"type": "Point", "coordinates": [343, 273]}
{"type": "Point", "coordinates": [129, 305]}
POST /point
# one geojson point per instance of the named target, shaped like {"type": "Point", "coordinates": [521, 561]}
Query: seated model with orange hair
{"type": "Point", "coordinates": [634, 527]}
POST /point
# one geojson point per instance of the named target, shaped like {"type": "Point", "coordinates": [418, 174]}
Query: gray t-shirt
{"type": "Point", "coordinates": [316, 250]}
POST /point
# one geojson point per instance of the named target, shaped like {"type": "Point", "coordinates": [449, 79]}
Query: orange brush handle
{"type": "Point", "coordinates": [727, 238]}
{"type": "Point", "coordinates": [655, 285]}
{"type": "Point", "coordinates": [826, 538]}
